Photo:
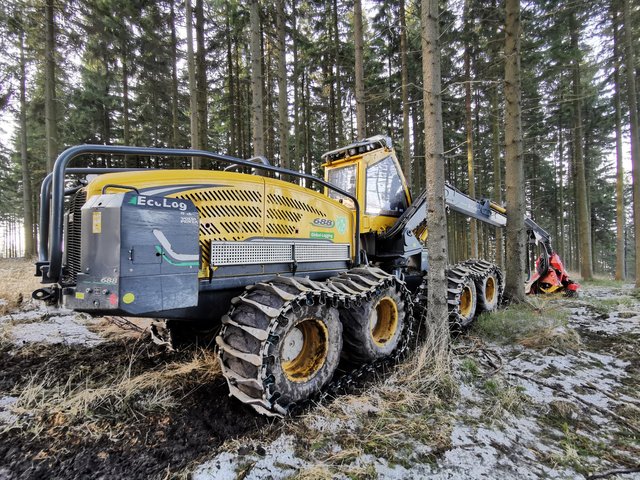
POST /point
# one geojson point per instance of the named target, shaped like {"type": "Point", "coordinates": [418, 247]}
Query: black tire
{"type": "Point", "coordinates": [374, 329]}
{"type": "Point", "coordinates": [276, 385]}
{"type": "Point", "coordinates": [468, 302]}
{"type": "Point", "coordinates": [295, 388]}
{"type": "Point", "coordinates": [488, 289]}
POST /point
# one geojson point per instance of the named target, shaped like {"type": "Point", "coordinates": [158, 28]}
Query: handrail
{"type": "Point", "coordinates": [53, 223]}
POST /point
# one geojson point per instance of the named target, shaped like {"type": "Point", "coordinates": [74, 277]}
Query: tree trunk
{"type": "Point", "coordinates": [27, 199]}
{"type": "Point", "coordinates": [361, 116]}
{"type": "Point", "coordinates": [283, 96]}
{"type": "Point", "coordinates": [50, 115]}
{"type": "Point", "coordinates": [201, 77]}
{"type": "Point", "coordinates": [629, 60]}
{"type": "Point", "coordinates": [257, 107]}
{"type": "Point", "coordinates": [404, 67]}
{"type": "Point", "coordinates": [620, 273]}
{"type": "Point", "coordinates": [232, 150]}
{"type": "Point", "coordinates": [283, 100]}
{"type": "Point", "coordinates": [584, 219]}
{"type": "Point", "coordinates": [561, 237]}
{"type": "Point", "coordinates": [329, 61]}
{"type": "Point", "coordinates": [296, 89]}
{"type": "Point", "coordinates": [337, 78]}
{"type": "Point", "coordinates": [267, 91]}
{"type": "Point", "coordinates": [418, 146]}
{"type": "Point", "coordinates": [514, 175]}
{"type": "Point", "coordinates": [126, 133]}
{"type": "Point", "coordinates": [497, 169]}
{"type": "Point", "coordinates": [469, 125]}
{"type": "Point", "coordinates": [193, 89]}
{"type": "Point", "coordinates": [437, 313]}
{"type": "Point", "coordinates": [175, 133]}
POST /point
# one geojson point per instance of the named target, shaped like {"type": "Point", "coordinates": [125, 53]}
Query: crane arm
{"type": "Point", "coordinates": [482, 210]}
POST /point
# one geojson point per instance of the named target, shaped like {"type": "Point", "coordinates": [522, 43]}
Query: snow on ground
{"type": "Point", "coordinates": [561, 401]}
{"type": "Point", "coordinates": [7, 417]}
{"type": "Point", "coordinates": [546, 413]}
{"type": "Point", "coordinates": [40, 324]}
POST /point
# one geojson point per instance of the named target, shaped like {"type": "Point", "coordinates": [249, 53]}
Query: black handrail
{"type": "Point", "coordinates": [54, 224]}
{"type": "Point", "coordinates": [45, 203]}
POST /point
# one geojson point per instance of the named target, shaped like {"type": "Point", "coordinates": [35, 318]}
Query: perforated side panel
{"type": "Point", "coordinates": [284, 201]}
{"type": "Point", "coordinates": [243, 253]}
{"type": "Point", "coordinates": [226, 214]}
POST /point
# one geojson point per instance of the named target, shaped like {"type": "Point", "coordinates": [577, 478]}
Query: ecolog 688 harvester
{"type": "Point", "coordinates": [297, 280]}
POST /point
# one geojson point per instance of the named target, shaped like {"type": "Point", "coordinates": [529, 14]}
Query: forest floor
{"type": "Point", "coordinates": [548, 389]}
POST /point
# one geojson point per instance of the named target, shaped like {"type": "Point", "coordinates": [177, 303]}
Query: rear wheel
{"type": "Point", "coordinates": [375, 328]}
{"type": "Point", "coordinates": [468, 302]}
{"type": "Point", "coordinates": [488, 289]}
{"type": "Point", "coordinates": [462, 296]}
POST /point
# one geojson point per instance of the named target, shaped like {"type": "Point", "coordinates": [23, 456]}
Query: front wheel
{"type": "Point", "coordinates": [279, 345]}
{"type": "Point", "coordinates": [307, 354]}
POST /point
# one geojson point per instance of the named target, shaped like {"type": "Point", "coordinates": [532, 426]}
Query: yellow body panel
{"type": "Point", "coordinates": [237, 207]}
{"type": "Point", "coordinates": [369, 223]}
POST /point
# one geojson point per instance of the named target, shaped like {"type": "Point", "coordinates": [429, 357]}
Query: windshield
{"type": "Point", "coordinates": [345, 179]}
{"type": "Point", "coordinates": [385, 195]}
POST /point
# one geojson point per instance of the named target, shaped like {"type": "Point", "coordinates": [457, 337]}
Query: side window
{"type": "Point", "coordinates": [344, 178]}
{"type": "Point", "coordinates": [385, 195]}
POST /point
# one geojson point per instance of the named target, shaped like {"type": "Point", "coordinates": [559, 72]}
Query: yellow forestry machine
{"type": "Point", "coordinates": [296, 281]}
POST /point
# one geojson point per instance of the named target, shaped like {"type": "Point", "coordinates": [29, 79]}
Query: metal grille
{"type": "Point", "coordinates": [243, 253]}
{"type": "Point", "coordinates": [226, 214]}
{"type": "Point", "coordinates": [74, 237]}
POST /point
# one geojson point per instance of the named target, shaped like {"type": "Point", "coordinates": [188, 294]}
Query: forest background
{"type": "Point", "coordinates": [124, 72]}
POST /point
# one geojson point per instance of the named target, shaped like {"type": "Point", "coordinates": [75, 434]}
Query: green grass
{"type": "Point", "coordinates": [503, 397]}
{"type": "Point", "coordinates": [517, 322]}
{"type": "Point", "coordinates": [471, 367]}
{"type": "Point", "coordinates": [604, 282]}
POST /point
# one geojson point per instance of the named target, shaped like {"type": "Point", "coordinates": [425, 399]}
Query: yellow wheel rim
{"type": "Point", "coordinates": [384, 321]}
{"type": "Point", "coordinates": [466, 302]}
{"type": "Point", "coordinates": [304, 350]}
{"type": "Point", "coordinates": [490, 290]}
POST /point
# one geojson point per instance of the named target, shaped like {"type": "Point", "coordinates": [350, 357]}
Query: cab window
{"type": "Point", "coordinates": [345, 179]}
{"type": "Point", "coordinates": [385, 194]}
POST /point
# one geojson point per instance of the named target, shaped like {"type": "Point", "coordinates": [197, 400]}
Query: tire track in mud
{"type": "Point", "coordinates": [148, 445]}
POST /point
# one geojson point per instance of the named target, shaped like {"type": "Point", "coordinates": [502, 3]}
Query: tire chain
{"type": "Point", "coordinates": [458, 275]}
{"type": "Point", "coordinates": [349, 288]}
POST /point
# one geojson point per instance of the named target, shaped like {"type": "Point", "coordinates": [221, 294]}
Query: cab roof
{"type": "Point", "coordinates": [358, 148]}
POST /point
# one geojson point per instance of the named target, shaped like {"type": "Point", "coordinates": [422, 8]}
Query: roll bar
{"type": "Point", "coordinates": [52, 209]}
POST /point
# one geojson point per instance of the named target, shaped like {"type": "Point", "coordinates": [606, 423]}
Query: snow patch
{"type": "Point", "coordinates": [6, 416]}
{"type": "Point", "coordinates": [65, 329]}
{"type": "Point", "coordinates": [278, 462]}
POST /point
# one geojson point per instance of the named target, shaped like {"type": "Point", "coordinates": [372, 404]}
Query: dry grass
{"type": "Point", "coordinates": [404, 419]}
{"type": "Point", "coordinates": [124, 396]}
{"type": "Point", "coordinates": [17, 281]}
{"type": "Point", "coordinates": [560, 338]}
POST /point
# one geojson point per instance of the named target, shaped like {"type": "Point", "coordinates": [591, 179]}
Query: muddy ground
{"type": "Point", "coordinates": [547, 390]}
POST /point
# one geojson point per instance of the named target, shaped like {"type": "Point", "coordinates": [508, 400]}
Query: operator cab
{"type": "Point", "coordinates": [369, 170]}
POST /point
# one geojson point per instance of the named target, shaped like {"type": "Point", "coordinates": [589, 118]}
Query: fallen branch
{"type": "Point", "coordinates": [602, 410]}
{"type": "Point", "coordinates": [488, 354]}
{"type": "Point", "coordinates": [504, 364]}
{"type": "Point", "coordinates": [617, 471]}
